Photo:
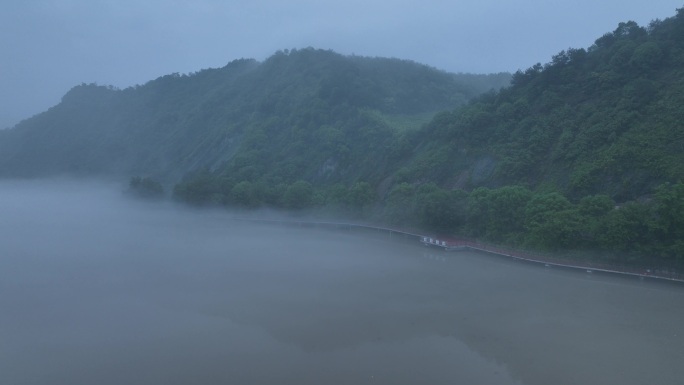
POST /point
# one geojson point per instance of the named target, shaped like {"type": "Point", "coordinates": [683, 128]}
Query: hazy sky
{"type": "Point", "coordinates": [49, 46]}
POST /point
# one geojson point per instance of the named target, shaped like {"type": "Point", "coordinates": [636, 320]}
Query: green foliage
{"type": "Point", "coordinates": [583, 153]}
{"type": "Point", "coordinates": [201, 188]}
{"type": "Point", "coordinates": [627, 230]}
{"type": "Point", "coordinates": [298, 195]}
{"type": "Point", "coordinates": [400, 207]}
{"type": "Point", "coordinates": [244, 194]}
{"type": "Point", "coordinates": [440, 210]}
{"type": "Point", "coordinates": [551, 222]}
{"type": "Point", "coordinates": [669, 222]}
{"type": "Point", "coordinates": [605, 120]}
{"type": "Point", "coordinates": [569, 157]}
{"type": "Point", "coordinates": [302, 114]}
{"type": "Point", "coordinates": [595, 206]}
{"type": "Point", "coordinates": [360, 195]}
{"type": "Point", "coordinates": [426, 206]}
{"type": "Point", "coordinates": [499, 214]}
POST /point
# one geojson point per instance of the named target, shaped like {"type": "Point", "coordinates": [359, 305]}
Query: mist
{"type": "Point", "coordinates": [99, 289]}
{"type": "Point", "coordinates": [51, 46]}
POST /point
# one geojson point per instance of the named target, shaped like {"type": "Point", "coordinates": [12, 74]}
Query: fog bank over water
{"type": "Point", "coordinates": [96, 289]}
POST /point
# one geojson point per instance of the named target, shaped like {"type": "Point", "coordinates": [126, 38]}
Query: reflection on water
{"type": "Point", "coordinates": [96, 290]}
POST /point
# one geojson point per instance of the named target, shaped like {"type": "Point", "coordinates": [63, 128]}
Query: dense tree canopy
{"type": "Point", "coordinates": [584, 154]}
{"type": "Point", "coordinates": [605, 120]}
{"type": "Point", "coordinates": [300, 114]}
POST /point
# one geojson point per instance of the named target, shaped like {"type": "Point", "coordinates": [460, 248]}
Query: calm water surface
{"type": "Point", "coordinates": [97, 290]}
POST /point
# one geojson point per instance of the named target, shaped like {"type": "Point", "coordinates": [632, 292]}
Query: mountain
{"type": "Point", "coordinates": [331, 112]}
{"type": "Point", "coordinates": [583, 155]}
{"type": "Point", "coordinates": [605, 120]}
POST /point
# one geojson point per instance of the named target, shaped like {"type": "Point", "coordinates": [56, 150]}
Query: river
{"type": "Point", "coordinates": [95, 289]}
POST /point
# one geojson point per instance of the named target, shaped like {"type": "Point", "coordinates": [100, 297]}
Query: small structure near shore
{"type": "Point", "coordinates": [446, 245]}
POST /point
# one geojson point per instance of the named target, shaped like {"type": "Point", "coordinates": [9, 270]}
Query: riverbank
{"type": "Point", "coordinates": [455, 245]}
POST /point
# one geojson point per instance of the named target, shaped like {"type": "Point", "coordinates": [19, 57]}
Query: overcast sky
{"type": "Point", "coordinates": [49, 46]}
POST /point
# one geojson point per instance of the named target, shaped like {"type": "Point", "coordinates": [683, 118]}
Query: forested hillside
{"type": "Point", "coordinates": [584, 153]}
{"type": "Point", "coordinates": [607, 120]}
{"type": "Point", "coordinates": [582, 156]}
{"type": "Point", "coordinates": [299, 114]}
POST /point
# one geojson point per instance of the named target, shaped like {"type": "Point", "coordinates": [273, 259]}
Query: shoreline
{"type": "Point", "coordinates": [452, 245]}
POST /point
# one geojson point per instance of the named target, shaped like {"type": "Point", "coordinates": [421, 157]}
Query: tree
{"type": "Point", "coordinates": [298, 195]}
{"type": "Point", "coordinates": [669, 223]}
{"type": "Point", "coordinates": [593, 211]}
{"type": "Point", "coordinates": [477, 211]}
{"type": "Point", "coordinates": [198, 188]}
{"type": "Point", "coordinates": [243, 194]}
{"type": "Point", "coordinates": [360, 195]}
{"type": "Point", "coordinates": [627, 229]}
{"type": "Point", "coordinates": [438, 209]}
{"type": "Point", "coordinates": [400, 206]}
{"type": "Point", "coordinates": [506, 219]}
{"type": "Point", "coordinates": [551, 221]}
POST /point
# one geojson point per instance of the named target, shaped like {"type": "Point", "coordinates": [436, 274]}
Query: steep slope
{"type": "Point", "coordinates": [603, 120]}
{"type": "Point", "coordinates": [316, 105]}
